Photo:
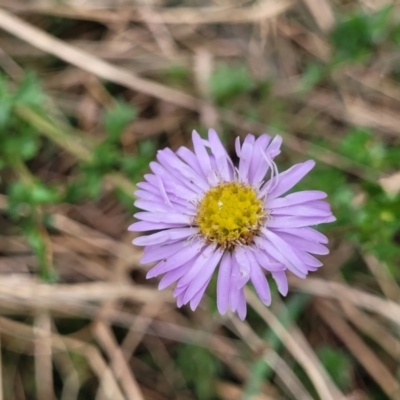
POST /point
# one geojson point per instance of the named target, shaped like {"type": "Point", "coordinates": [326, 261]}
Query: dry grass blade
{"type": "Point", "coordinates": [10, 66]}
{"type": "Point", "coordinates": [381, 272]}
{"type": "Point", "coordinates": [260, 11]}
{"type": "Point", "coordinates": [60, 10]}
{"type": "Point", "coordinates": [95, 238]}
{"type": "Point", "coordinates": [1, 372]}
{"type": "Point", "coordinates": [322, 13]}
{"type": "Point", "coordinates": [230, 391]}
{"type": "Point", "coordinates": [367, 358]}
{"type": "Point", "coordinates": [69, 375]}
{"type": "Point", "coordinates": [283, 371]}
{"type": "Point", "coordinates": [40, 294]}
{"type": "Point", "coordinates": [343, 293]}
{"type": "Point", "coordinates": [286, 375]}
{"type": "Point", "coordinates": [117, 361]}
{"type": "Point", "coordinates": [87, 62]}
{"type": "Point", "coordinates": [300, 350]}
{"type": "Point", "coordinates": [107, 71]}
{"type": "Point", "coordinates": [104, 70]}
{"type": "Point", "coordinates": [357, 112]}
{"type": "Point", "coordinates": [43, 357]}
{"type": "Point", "coordinates": [26, 333]}
{"type": "Point", "coordinates": [160, 32]}
{"type": "Point", "coordinates": [374, 329]}
{"type": "Point", "coordinates": [178, 15]}
{"type": "Point", "coordinates": [123, 79]}
{"type": "Point", "coordinates": [73, 143]}
{"type": "Point", "coordinates": [391, 183]}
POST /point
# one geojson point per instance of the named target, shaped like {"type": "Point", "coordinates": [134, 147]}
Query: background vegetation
{"type": "Point", "coordinates": [89, 90]}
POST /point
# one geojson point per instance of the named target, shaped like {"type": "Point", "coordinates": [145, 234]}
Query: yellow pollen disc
{"type": "Point", "coordinates": [229, 214]}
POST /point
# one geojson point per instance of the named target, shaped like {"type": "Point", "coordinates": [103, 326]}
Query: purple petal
{"type": "Point", "coordinates": [172, 276]}
{"type": "Point", "coordinates": [275, 147]}
{"type": "Point", "coordinates": [272, 150]}
{"type": "Point", "coordinates": [203, 157]}
{"type": "Point", "coordinates": [289, 178]}
{"type": "Point", "coordinates": [145, 195]}
{"type": "Point", "coordinates": [243, 266]}
{"type": "Point", "coordinates": [202, 278]}
{"type": "Point", "coordinates": [172, 184]}
{"type": "Point", "coordinates": [303, 244]}
{"type": "Point", "coordinates": [181, 257]}
{"type": "Point", "coordinates": [285, 249]}
{"type": "Point", "coordinates": [198, 266]}
{"type": "Point", "coordinates": [143, 226]}
{"type": "Point", "coordinates": [157, 253]}
{"type": "Point", "coordinates": [149, 187]}
{"type": "Point", "coordinates": [303, 210]}
{"type": "Point", "coordinates": [158, 198]}
{"type": "Point", "coordinates": [237, 146]}
{"type": "Point", "coordinates": [281, 222]}
{"type": "Point", "coordinates": [258, 166]}
{"type": "Point", "coordinates": [245, 157]}
{"type": "Point", "coordinates": [181, 171]}
{"type": "Point", "coordinates": [154, 185]}
{"type": "Point", "coordinates": [178, 291]}
{"type": "Point", "coordinates": [295, 198]}
{"type": "Point", "coordinates": [321, 205]}
{"type": "Point", "coordinates": [259, 280]}
{"type": "Point", "coordinates": [281, 256]}
{"type": "Point", "coordinates": [306, 258]}
{"type": "Point", "coordinates": [190, 158]}
{"type": "Point", "coordinates": [224, 163]}
{"type": "Point", "coordinates": [165, 236]}
{"type": "Point", "coordinates": [164, 217]}
{"type": "Point", "coordinates": [223, 283]}
{"type": "Point", "coordinates": [306, 233]}
{"type": "Point", "coordinates": [214, 166]}
{"type": "Point", "coordinates": [195, 301]}
{"type": "Point", "coordinates": [179, 301]}
{"type": "Point", "coordinates": [234, 286]}
{"type": "Point", "coordinates": [162, 207]}
{"type": "Point", "coordinates": [242, 306]}
{"type": "Point", "coordinates": [281, 281]}
{"type": "Point", "coordinates": [267, 262]}
{"type": "Point", "coordinates": [167, 182]}
{"type": "Point", "coordinates": [163, 191]}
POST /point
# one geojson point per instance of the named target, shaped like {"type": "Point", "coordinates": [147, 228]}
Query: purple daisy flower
{"type": "Point", "coordinates": [207, 214]}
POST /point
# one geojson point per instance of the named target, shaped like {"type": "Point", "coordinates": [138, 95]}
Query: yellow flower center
{"type": "Point", "coordinates": [229, 214]}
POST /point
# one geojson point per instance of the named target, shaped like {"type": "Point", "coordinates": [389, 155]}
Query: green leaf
{"type": "Point", "coordinates": [338, 364]}
{"type": "Point", "coordinates": [31, 194]}
{"type": "Point", "coordinates": [133, 165]}
{"type": "Point", "coordinates": [312, 75]}
{"type": "Point", "coordinates": [230, 81]}
{"type": "Point", "coordinates": [21, 145]}
{"type": "Point", "coordinates": [42, 194]}
{"type": "Point", "coordinates": [355, 37]}
{"type": "Point", "coordinates": [361, 146]}
{"type": "Point", "coordinates": [93, 184]}
{"type": "Point", "coordinates": [199, 368]}
{"type": "Point", "coordinates": [380, 23]}
{"type": "Point", "coordinates": [6, 101]}
{"type": "Point", "coordinates": [352, 38]}
{"type": "Point", "coordinates": [29, 92]}
{"type": "Point", "coordinates": [117, 119]}
{"type": "Point", "coordinates": [177, 75]}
